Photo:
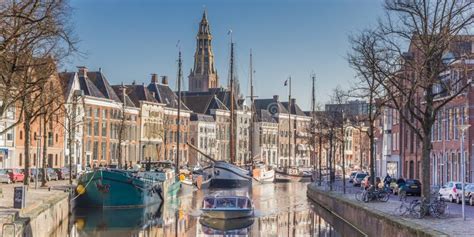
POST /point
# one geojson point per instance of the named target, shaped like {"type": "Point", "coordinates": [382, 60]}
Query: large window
{"type": "Point", "coordinates": [95, 150]}
{"type": "Point", "coordinates": [104, 128]}
{"type": "Point", "coordinates": [96, 128]}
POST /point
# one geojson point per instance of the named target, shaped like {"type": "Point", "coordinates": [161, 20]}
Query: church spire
{"type": "Point", "coordinates": [203, 75]}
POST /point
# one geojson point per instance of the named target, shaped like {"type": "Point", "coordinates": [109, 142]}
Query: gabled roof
{"type": "Point", "coordinates": [66, 80]}
{"type": "Point", "coordinates": [264, 116]}
{"type": "Point", "coordinates": [204, 103]}
{"type": "Point", "coordinates": [295, 109]}
{"type": "Point", "coordinates": [222, 94]}
{"type": "Point", "coordinates": [139, 93]}
{"type": "Point", "coordinates": [101, 83]}
{"type": "Point", "coordinates": [164, 95]}
{"type": "Point", "coordinates": [270, 104]}
{"type": "Point", "coordinates": [118, 91]}
{"type": "Point", "coordinates": [89, 88]}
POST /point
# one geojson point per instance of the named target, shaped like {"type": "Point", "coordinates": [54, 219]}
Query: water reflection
{"type": "Point", "coordinates": [281, 210]}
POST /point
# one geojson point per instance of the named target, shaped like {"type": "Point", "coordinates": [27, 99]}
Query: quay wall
{"type": "Point", "coordinates": [370, 221]}
{"type": "Point", "coordinates": [41, 219]}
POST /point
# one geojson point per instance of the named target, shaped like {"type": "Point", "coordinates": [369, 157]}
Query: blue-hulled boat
{"type": "Point", "coordinates": [113, 188]}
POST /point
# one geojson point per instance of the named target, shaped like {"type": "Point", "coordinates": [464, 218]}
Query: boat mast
{"type": "Point", "coordinates": [289, 121]}
{"type": "Point", "coordinates": [232, 127]}
{"type": "Point", "coordinates": [313, 120]}
{"type": "Point", "coordinates": [179, 113]}
{"type": "Point", "coordinates": [252, 110]}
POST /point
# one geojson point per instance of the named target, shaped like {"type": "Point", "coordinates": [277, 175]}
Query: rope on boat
{"type": "Point", "coordinates": [85, 187]}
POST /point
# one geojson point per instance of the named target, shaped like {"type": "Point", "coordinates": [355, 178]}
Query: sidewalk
{"type": "Point", "coordinates": [453, 225]}
{"type": "Point", "coordinates": [35, 198]}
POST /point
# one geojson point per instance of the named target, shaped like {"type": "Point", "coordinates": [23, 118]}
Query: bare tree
{"type": "Point", "coordinates": [34, 37]}
{"type": "Point", "coordinates": [363, 59]}
{"type": "Point", "coordinates": [412, 80]}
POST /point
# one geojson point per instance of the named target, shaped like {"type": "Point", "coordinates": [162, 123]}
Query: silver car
{"type": "Point", "coordinates": [4, 177]}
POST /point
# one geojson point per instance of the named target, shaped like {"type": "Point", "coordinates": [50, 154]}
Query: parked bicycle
{"type": "Point", "coordinates": [407, 209]}
{"type": "Point", "coordinates": [434, 207]}
{"type": "Point", "coordinates": [376, 194]}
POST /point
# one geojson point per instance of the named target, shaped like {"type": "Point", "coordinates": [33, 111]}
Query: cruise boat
{"type": "Point", "coordinates": [227, 207]}
{"type": "Point", "coordinates": [289, 174]}
{"type": "Point", "coordinates": [233, 227]}
{"type": "Point", "coordinates": [112, 188]}
{"type": "Point", "coordinates": [263, 173]}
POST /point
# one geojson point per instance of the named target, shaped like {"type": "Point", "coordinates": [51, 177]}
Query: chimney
{"type": "Point", "coordinates": [293, 101]}
{"type": "Point", "coordinates": [275, 98]}
{"type": "Point", "coordinates": [154, 78]}
{"type": "Point", "coordinates": [82, 71]}
{"type": "Point", "coordinates": [164, 80]}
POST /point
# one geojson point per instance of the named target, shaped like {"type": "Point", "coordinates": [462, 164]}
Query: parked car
{"type": "Point", "coordinates": [451, 191]}
{"type": "Point", "coordinates": [358, 179]}
{"type": "Point", "coordinates": [4, 177]}
{"type": "Point", "coordinates": [352, 176]}
{"type": "Point", "coordinates": [16, 175]}
{"type": "Point", "coordinates": [63, 173]}
{"type": "Point", "coordinates": [50, 174]}
{"type": "Point", "coordinates": [413, 187]}
{"type": "Point", "coordinates": [469, 194]}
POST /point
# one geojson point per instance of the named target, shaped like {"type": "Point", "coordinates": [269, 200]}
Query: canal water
{"type": "Point", "coordinates": [280, 210]}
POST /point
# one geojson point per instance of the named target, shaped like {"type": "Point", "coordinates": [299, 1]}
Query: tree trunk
{"type": "Point", "coordinates": [372, 155]}
{"type": "Point", "coordinates": [320, 159]}
{"type": "Point", "coordinates": [330, 161]}
{"type": "Point", "coordinates": [45, 152]}
{"type": "Point", "coordinates": [69, 146]}
{"type": "Point", "coordinates": [26, 124]}
{"type": "Point", "coordinates": [343, 163]}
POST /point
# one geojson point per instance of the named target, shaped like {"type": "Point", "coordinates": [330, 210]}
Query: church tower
{"type": "Point", "coordinates": [203, 75]}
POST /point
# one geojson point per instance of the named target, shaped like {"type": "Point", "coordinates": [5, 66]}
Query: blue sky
{"type": "Point", "coordinates": [130, 39]}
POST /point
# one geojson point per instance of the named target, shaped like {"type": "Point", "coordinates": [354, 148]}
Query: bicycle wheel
{"type": "Point", "coordinates": [441, 209]}
{"type": "Point", "coordinates": [366, 197]}
{"type": "Point", "coordinates": [358, 195]}
{"type": "Point", "coordinates": [402, 210]}
{"type": "Point", "coordinates": [383, 196]}
{"type": "Point", "coordinates": [417, 210]}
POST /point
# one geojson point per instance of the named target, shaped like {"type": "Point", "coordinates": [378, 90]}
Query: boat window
{"type": "Point", "coordinates": [242, 203]}
{"type": "Point", "coordinates": [208, 203]}
{"type": "Point", "coordinates": [226, 202]}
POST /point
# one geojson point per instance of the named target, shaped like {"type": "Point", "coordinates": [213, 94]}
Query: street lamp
{"type": "Point", "coordinates": [462, 128]}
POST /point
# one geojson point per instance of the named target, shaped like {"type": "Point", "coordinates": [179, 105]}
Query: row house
{"type": "Point", "coordinates": [401, 149]}
{"type": "Point", "coordinates": [210, 105]}
{"type": "Point", "coordinates": [7, 139]}
{"type": "Point", "coordinates": [104, 118]}
{"type": "Point", "coordinates": [151, 132]}
{"type": "Point", "coordinates": [202, 131]}
{"type": "Point", "coordinates": [43, 129]}
{"type": "Point", "coordinates": [294, 126]}
{"type": "Point", "coordinates": [265, 138]}
{"type": "Point", "coordinates": [217, 102]}
{"type": "Point", "coordinates": [165, 95]}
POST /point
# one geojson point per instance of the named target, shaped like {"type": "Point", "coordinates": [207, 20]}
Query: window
{"type": "Point", "coordinates": [104, 128]}
{"type": "Point", "coordinates": [96, 128]}
{"type": "Point", "coordinates": [9, 135]}
{"type": "Point", "coordinates": [21, 134]}
{"type": "Point", "coordinates": [56, 138]}
{"type": "Point", "coordinates": [103, 149]}
{"type": "Point", "coordinates": [56, 160]}
{"type": "Point", "coordinates": [104, 113]}
{"type": "Point", "coordinates": [21, 159]}
{"type": "Point", "coordinates": [95, 150]}
{"type": "Point", "coordinates": [50, 139]}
